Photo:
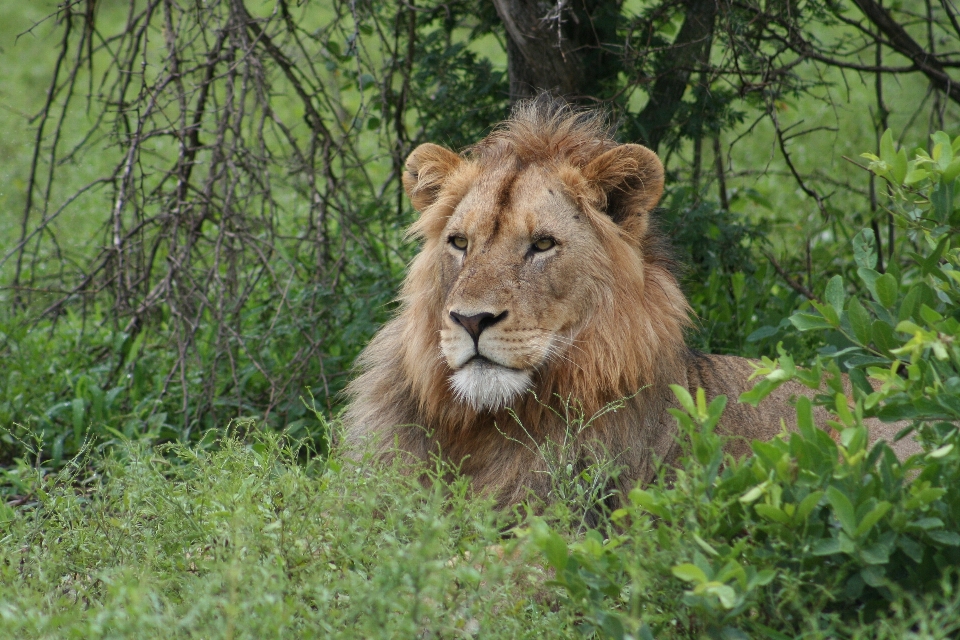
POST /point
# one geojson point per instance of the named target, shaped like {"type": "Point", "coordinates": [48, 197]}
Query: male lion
{"type": "Point", "coordinates": [542, 276]}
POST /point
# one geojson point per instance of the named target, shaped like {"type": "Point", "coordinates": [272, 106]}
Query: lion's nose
{"type": "Point", "coordinates": [477, 323]}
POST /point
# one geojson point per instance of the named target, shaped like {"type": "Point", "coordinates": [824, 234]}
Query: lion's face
{"type": "Point", "coordinates": [521, 256]}
{"type": "Point", "coordinates": [511, 268]}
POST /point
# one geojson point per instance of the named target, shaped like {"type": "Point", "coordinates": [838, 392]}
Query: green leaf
{"type": "Point", "coordinates": [949, 538]}
{"type": "Point", "coordinates": [865, 249]}
{"type": "Point", "coordinates": [762, 578]}
{"type": "Point", "coordinates": [926, 524]}
{"type": "Point", "coordinates": [887, 150]}
{"type": "Point", "coordinates": [552, 546]}
{"type": "Point", "coordinates": [911, 547]}
{"type": "Point", "coordinates": [859, 381]}
{"type": "Point", "coordinates": [873, 576]}
{"type": "Point", "coordinates": [929, 316]}
{"type": "Point", "coordinates": [805, 422]}
{"type": "Point", "coordinates": [843, 509]}
{"type": "Point", "coordinates": [869, 277]}
{"type": "Point", "coordinates": [942, 200]}
{"type": "Point", "coordinates": [942, 151]}
{"type": "Point", "coordinates": [865, 361]}
{"type": "Point", "coordinates": [835, 294]}
{"type": "Point", "coordinates": [826, 547]}
{"type": "Point", "coordinates": [809, 322]}
{"type": "Point", "coordinates": [807, 505]}
{"type": "Point", "coordinates": [612, 625]}
{"type": "Point", "coordinates": [886, 290]}
{"type": "Point", "coordinates": [769, 633]}
{"type": "Point", "coordinates": [898, 170]}
{"type": "Point", "coordinates": [79, 410]}
{"type": "Point", "coordinates": [932, 262]}
{"type": "Point", "coordinates": [703, 544]}
{"type": "Point", "coordinates": [761, 333]}
{"type": "Point", "coordinates": [872, 517]}
{"type": "Point", "coordinates": [645, 632]}
{"type": "Point", "coordinates": [726, 595]}
{"type": "Point", "coordinates": [940, 452]}
{"type": "Point", "coordinates": [684, 398]}
{"type": "Point", "coordinates": [860, 321]}
{"type": "Point", "coordinates": [909, 303]}
{"type": "Point", "coordinates": [753, 494]}
{"type": "Point", "coordinates": [827, 312]}
{"type": "Point", "coordinates": [876, 554]}
{"type": "Point", "coordinates": [896, 412]}
{"type": "Point", "coordinates": [715, 410]}
{"type": "Point", "coordinates": [883, 336]}
{"type": "Point", "coordinates": [928, 495]}
{"type": "Point", "coordinates": [952, 171]}
{"type": "Point", "coordinates": [915, 175]}
{"type": "Point", "coordinates": [689, 573]}
{"type": "Point", "coordinates": [646, 501]}
{"type": "Point", "coordinates": [761, 390]}
{"type": "Point", "coordinates": [771, 512]}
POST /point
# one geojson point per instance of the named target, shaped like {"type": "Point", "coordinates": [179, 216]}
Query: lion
{"type": "Point", "coordinates": [542, 276]}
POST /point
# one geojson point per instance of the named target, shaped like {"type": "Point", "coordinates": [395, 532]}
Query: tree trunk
{"type": "Point", "coordinates": [559, 46]}
{"type": "Point", "coordinates": [690, 50]}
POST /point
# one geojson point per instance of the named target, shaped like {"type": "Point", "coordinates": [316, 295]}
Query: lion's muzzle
{"type": "Point", "coordinates": [475, 324]}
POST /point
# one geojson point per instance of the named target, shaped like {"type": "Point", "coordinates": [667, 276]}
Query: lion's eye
{"type": "Point", "coordinates": [544, 244]}
{"type": "Point", "coordinates": [459, 242]}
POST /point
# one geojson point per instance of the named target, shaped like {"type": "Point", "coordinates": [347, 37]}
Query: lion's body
{"type": "Point", "coordinates": [541, 278]}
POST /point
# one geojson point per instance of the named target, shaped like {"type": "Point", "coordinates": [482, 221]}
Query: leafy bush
{"type": "Point", "coordinates": [811, 536]}
{"type": "Point", "coordinates": [740, 308]}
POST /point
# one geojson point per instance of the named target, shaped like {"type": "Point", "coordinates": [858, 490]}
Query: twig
{"type": "Point", "coordinates": [796, 286]}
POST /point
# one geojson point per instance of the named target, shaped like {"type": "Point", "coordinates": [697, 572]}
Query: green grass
{"type": "Point", "coordinates": [252, 537]}
{"type": "Point", "coordinates": [250, 541]}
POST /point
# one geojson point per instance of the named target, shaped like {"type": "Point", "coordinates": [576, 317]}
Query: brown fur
{"type": "Point", "coordinates": [596, 318]}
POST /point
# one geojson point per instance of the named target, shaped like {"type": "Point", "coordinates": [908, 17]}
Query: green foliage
{"type": "Point", "coordinates": [740, 306]}
{"type": "Point", "coordinates": [79, 380]}
{"type": "Point", "coordinates": [808, 536]}
{"type": "Point", "coordinates": [582, 479]}
{"type": "Point", "coordinates": [906, 335]}
{"type": "Point", "coordinates": [458, 95]}
{"type": "Point", "coordinates": [812, 535]}
{"type": "Point", "coordinates": [247, 542]}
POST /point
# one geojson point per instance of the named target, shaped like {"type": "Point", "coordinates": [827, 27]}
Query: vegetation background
{"type": "Point", "coordinates": [203, 225]}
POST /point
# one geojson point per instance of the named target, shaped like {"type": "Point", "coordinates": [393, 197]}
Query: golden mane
{"type": "Point", "coordinates": [632, 341]}
{"type": "Point", "coordinates": [546, 131]}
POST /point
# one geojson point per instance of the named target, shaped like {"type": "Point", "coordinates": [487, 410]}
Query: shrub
{"type": "Point", "coordinates": [809, 536]}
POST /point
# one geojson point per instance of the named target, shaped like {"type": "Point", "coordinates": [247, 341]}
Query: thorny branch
{"type": "Point", "coordinates": [205, 146]}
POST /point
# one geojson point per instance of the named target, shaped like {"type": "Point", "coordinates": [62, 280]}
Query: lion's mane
{"type": "Point", "coordinates": [632, 345]}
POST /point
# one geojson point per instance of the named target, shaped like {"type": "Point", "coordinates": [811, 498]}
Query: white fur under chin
{"type": "Point", "coordinates": [485, 385]}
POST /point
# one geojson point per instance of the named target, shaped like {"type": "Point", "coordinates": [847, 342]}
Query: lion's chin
{"type": "Point", "coordinates": [485, 385]}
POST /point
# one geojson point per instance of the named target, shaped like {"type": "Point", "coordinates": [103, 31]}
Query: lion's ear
{"type": "Point", "coordinates": [427, 168]}
{"type": "Point", "coordinates": [631, 176]}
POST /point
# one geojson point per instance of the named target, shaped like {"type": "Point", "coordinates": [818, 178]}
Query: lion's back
{"type": "Point", "coordinates": [730, 376]}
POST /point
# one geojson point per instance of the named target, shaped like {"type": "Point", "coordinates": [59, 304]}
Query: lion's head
{"type": "Point", "coordinates": [540, 271]}
{"type": "Point", "coordinates": [538, 251]}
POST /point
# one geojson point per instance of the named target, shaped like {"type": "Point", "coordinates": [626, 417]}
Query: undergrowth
{"type": "Point", "coordinates": [248, 541]}
{"type": "Point", "coordinates": [810, 537]}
